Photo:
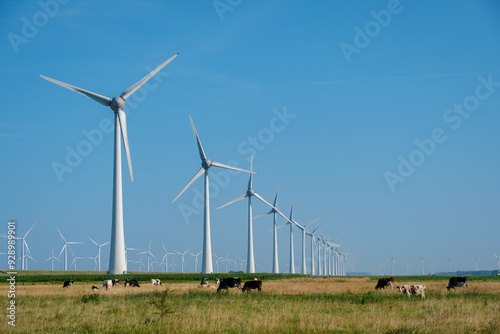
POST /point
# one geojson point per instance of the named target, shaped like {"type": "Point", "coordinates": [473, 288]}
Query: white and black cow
{"type": "Point", "coordinates": [68, 283]}
{"type": "Point", "coordinates": [457, 281]}
{"type": "Point", "coordinates": [385, 281]}
{"type": "Point", "coordinates": [107, 284]}
{"type": "Point", "coordinates": [155, 281]}
{"type": "Point", "coordinates": [255, 284]}
{"type": "Point", "coordinates": [231, 282]}
{"type": "Point", "coordinates": [95, 288]}
{"type": "Point", "coordinates": [132, 282]}
{"type": "Point", "coordinates": [115, 282]}
{"type": "Point", "coordinates": [412, 290]}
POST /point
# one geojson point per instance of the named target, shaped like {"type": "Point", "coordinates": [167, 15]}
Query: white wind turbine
{"type": "Point", "coordinates": [117, 262]}
{"type": "Point", "coordinates": [273, 211]}
{"type": "Point", "coordinates": [476, 265]}
{"type": "Point", "coordinates": [65, 249]}
{"type": "Point", "coordinates": [126, 252]}
{"type": "Point", "coordinates": [195, 260]}
{"type": "Point", "coordinates": [165, 257]}
{"type": "Point", "coordinates": [291, 222]}
{"type": "Point", "coordinates": [451, 264]}
{"type": "Point", "coordinates": [392, 265]}
{"type": "Point", "coordinates": [313, 242]}
{"type": "Point", "coordinates": [182, 259]}
{"type": "Point", "coordinates": [148, 253]}
{"type": "Point", "coordinates": [75, 258]}
{"type": "Point", "coordinates": [249, 194]}
{"type": "Point", "coordinates": [422, 264]}
{"type": "Point", "coordinates": [94, 261]}
{"type": "Point", "coordinates": [25, 249]}
{"type": "Point", "coordinates": [206, 264]}
{"type": "Point", "coordinates": [498, 262]}
{"type": "Point", "coordinates": [140, 263]}
{"type": "Point", "coordinates": [52, 258]}
{"type": "Point", "coordinates": [99, 251]}
{"type": "Point", "coordinates": [303, 228]}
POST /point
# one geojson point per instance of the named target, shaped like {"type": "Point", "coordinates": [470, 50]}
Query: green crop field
{"type": "Point", "coordinates": [287, 304]}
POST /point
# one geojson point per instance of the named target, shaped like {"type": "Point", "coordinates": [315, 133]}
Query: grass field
{"type": "Point", "coordinates": [293, 305]}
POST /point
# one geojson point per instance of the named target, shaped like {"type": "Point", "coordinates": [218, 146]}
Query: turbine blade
{"type": "Point", "coordinates": [123, 126]}
{"type": "Point", "coordinates": [263, 214]}
{"type": "Point", "coordinates": [61, 235]}
{"type": "Point", "coordinates": [198, 141]}
{"type": "Point", "coordinates": [276, 197]}
{"type": "Point", "coordinates": [104, 244]}
{"type": "Point", "coordinates": [27, 248]}
{"type": "Point", "coordinates": [93, 241]}
{"type": "Point", "coordinates": [218, 164]}
{"type": "Point", "coordinates": [251, 169]}
{"type": "Point", "coordinates": [317, 227]}
{"type": "Point", "coordinates": [29, 230]}
{"type": "Point", "coordinates": [96, 97]}
{"type": "Point", "coordinates": [315, 220]}
{"type": "Point", "coordinates": [62, 250]}
{"type": "Point", "coordinates": [234, 200]}
{"type": "Point", "coordinates": [129, 91]}
{"type": "Point", "coordinates": [197, 175]}
{"type": "Point", "coordinates": [266, 202]}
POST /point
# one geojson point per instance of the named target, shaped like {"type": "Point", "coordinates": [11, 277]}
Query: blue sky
{"type": "Point", "coordinates": [390, 132]}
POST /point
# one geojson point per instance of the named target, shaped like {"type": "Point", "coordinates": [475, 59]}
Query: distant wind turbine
{"type": "Point", "coordinates": [498, 262]}
{"type": "Point", "coordinates": [165, 257]}
{"type": "Point", "coordinates": [303, 229]}
{"type": "Point", "coordinates": [422, 263]}
{"type": "Point", "coordinates": [313, 242]}
{"type": "Point", "coordinates": [182, 259]}
{"type": "Point", "coordinates": [249, 194]}
{"type": "Point", "coordinates": [25, 249]}
{"type": "Point", "coordinates": [117, 262]}
{"type": "Point", "coordinates": [206, 264]}
{"type": "Point", "coordinates": [148, 254]}
{"type": "Point", "coordinates": [52, 258]}
{"type": "Point", "coordinates": [65, 249]}
{"type": "Point", "coordinates": [99, 251]}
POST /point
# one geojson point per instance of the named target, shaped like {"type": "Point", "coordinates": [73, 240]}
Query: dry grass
{"type": "Point", "coordinates": [306, 305]}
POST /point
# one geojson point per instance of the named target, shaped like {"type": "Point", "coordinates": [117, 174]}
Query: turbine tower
{"type": "Point", "coordinates": [24, 245]}
{"type": "Point", "coordinates": [451, 264]}
{"type": "Point", "coordinates": [422, 263]}
{"type": "Point", "coordinates": [206, 264]}
{"type": "Point", "coordinates": [117, 262]}
{"type": "Point", "coordinates": [148, 253]}
{"type": "Point", "coordinates": [250, 193]}
{"type": "Point", "coordinates": [392, 265]}
{"type": "Point", "coordinates": [498, 262]}
{"type": "Point", "coordinates": [313, 242]}
{"type": "Point", "coordinates": [182, 259]}
{"type": "Point", "coordinates": [99, 252]}
{"type": "Point", "coordinates": [165, 257]}
{"type": "Point", "coordinates": [52, 258]}
{"type": "Point", "coordinates": [303, 228]}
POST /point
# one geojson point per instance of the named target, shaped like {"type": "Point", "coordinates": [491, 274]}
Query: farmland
{"type": "Point", "coordinates": [298, 304]}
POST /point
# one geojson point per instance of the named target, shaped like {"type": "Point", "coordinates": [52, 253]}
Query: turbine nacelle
{"type": "Point", "coordinates": [117, 103]}
{"type": "Point", "coordinates": [250, 192]}
{"type": "Point", "coordinates": [206, 163]}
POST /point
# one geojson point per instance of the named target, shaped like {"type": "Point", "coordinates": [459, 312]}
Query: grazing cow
{"type": "Point", "coordinates": [457, 281]}
{"type": "Point", "coordinates": [68, 283]}
{"type": "Point", "coordinates": [255, 284]}
{"type": "Point", "coordinates": [107, 284]}
{"type": "Point", "coordinates": [94, 288]}
{"type": "Point", "coordinates": [412, 290]}
{"type": "Point", "coordinates": [385, 281]}
{"type": "Point", "coordinates": [231, 282]}
{"type": "Point", "coordinates": [115, 282]}
{"type": "Point", "coordinates": [132, 282]}
{"type": "Point", "coordinates": [204, 284]}
{"type": "Point", "coordinates": [155, 281]}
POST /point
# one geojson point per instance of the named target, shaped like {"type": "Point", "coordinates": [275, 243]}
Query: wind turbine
{"type": "Point", "coordinates": [291, 222]}
{"type": "Point", "coordinates": [140, 263]}
{"type": "Point", "coordinates": [422, 263]}
{"type": "Point", "coordinates": [75, 258]}
{"type": "Point", "coordinates": [195, 259]}
{"type": "Point", "coordinates": [117, 262]}
{"type": "Point", "coordinates": [99, 252]}
{"type": "Point", "coordinates": [52, 258]}
{"type": "Point", "coordinates": [65, 249]}
{"type": "Point", "coordinates": [451, 264]}
{"type": "Point", "coordinates": [182, 259]}
{"type": "Point", "coordinates": [94, 261]}
{"type": "Point", "coordinates": [498, 262]}
{"type": "Point", "coordinates": [206, 265]}
{"type": "Point", "coordinates": [24, 245]}
{"type": "Point", "coordinates": [273, 211]}
{"type": "Point", "coordinates": [165, 257]}
{"type": "Point", "coordinates": [249, 194]}
{"type": "Point", "coordinates": [313, 242]}
{"type": "Point", "coordinates": [148, 253]}
{"type": "Point", "coordinates": [392, 265]}
{"type": "Point", "coordinates": [303, 228]}
{"type": "Point", "coordinates": [476, 266]}
{"type": "Point", "coordinates": [126, 252]}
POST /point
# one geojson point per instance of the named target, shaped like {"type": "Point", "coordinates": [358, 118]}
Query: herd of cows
{"type": "Point", "coordinates": [235, 282]}
{"type": "Point", "coordinates": [419, 289]}
{"type": "Point", "coordinates": [224, 284]}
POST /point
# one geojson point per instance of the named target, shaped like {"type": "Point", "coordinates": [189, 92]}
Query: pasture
{"type": "Point", "coordinates": [293, 305]}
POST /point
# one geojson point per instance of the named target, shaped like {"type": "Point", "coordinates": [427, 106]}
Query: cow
{"type": "Point", "coordinates": [457, 281]}
{"type": "Point", "coordinates": [155, 281]}
{"type": "Point", "coordinates": [231, 282]}
{"type": "Point", "coordinates": [412, 290]}
{"type": "Point", "coordinates": [132, 282]}
{"type": "Point", "coordinates": [115, 282]}
{"type": "Point", "coordinates": [107, 284]}
{"type": "Point", "coordinates": [94, 288]}
{"type": "Point", "coordinates": [68, 283]}
{"type": "Point", "coordinates": [255, 284]}
{"type": "Point", "coordinates": [204, 284]}
{"type": "Point", "coordinates": [385, 281]}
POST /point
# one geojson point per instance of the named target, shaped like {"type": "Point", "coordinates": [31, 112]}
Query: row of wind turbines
{"type": "Point", "coordinates": [118, 261]}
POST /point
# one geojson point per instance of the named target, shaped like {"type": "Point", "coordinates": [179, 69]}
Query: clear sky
{"type": "Point", "coordinates": [380, 117]}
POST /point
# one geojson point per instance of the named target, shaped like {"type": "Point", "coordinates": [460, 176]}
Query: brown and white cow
{"type": "Point", "coordinates": [204, 284]}
{"type": "Point", "coordinates": [412, 290]}
{"type": "Point", "coordinates": [385, 281]}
